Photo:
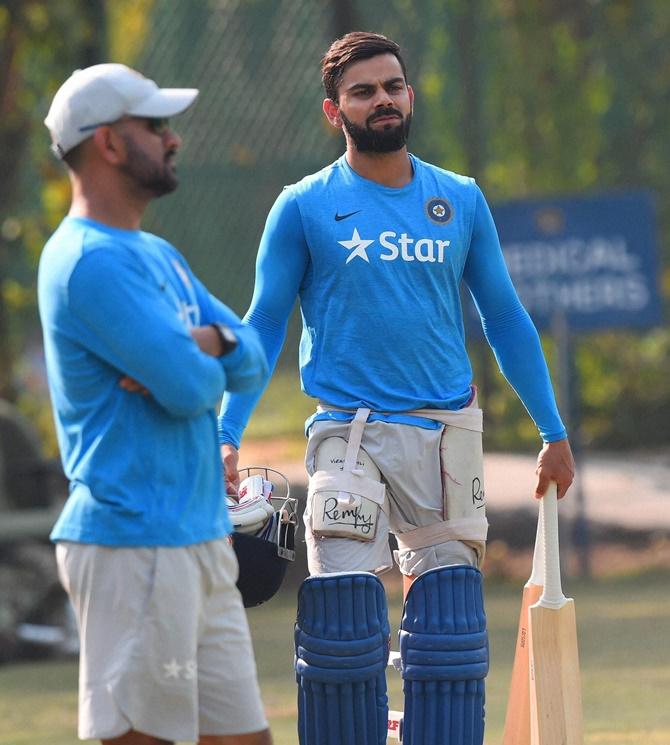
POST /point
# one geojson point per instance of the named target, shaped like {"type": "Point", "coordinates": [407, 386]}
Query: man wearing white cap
{"type": "Point", "coordinates": [138, 355]}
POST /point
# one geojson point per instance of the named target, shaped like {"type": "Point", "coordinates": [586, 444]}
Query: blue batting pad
{"type": "Point", "coordinates": [444, 655]}
{"type": "Point", "coordinates": [342, 640]}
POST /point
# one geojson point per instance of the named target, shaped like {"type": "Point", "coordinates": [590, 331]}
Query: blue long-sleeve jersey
{"type": "Point", "coordinates": [144, 470]}
{"type": "Point", "coordinates": [378, 271]}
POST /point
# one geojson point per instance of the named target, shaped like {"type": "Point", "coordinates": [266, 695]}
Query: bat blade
{"type": "Point", "coordinates": [556, 705]}
{"type": "Point", "coordinates": [555, 686]}
{"type": "Point", "coordinates": [517, 718]}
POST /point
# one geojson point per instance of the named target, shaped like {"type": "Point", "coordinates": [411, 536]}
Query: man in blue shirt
{"type": "Point", "coordinates": [376, 246]}
{"type": "Point", "coordinates": [138, 354]}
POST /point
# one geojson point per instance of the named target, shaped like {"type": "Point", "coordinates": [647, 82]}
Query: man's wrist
{"type": "Point", "coordinates": [227, 337]}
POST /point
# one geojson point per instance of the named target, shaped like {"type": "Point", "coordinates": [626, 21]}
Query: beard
{"type": "Point", "coordinates": [150, 176]}
{"type": "Point", "coordinates": [390, 138]}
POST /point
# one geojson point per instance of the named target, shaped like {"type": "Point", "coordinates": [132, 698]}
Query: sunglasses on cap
{"type": "Point", "coordinates": [157, 125]}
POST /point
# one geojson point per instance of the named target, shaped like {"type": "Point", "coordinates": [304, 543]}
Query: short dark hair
{"type": "Point", "coordinates": [353, 47]}
{"type": "Point", "coordinates": [73, 158]}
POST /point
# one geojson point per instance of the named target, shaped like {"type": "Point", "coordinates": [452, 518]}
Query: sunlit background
{"type": "Point", "coordinates": [547, 103]}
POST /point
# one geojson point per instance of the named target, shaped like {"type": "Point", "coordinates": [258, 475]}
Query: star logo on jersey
{"type": "Point", "coordinates": [357, 246]}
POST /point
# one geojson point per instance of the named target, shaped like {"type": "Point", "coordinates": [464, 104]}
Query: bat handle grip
{"type": "Point", "coordinates": [537, 572]}
{"type": "Point", "coordinates": [552, 595]}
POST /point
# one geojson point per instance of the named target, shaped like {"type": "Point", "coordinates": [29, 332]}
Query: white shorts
{"type": "Point", "coordinates": [165, 644]}
{"type": "Point", "coordinates": [424, 471]}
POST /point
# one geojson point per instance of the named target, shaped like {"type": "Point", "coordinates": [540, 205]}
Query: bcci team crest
{"type": "Point", "coordinates": [439, 210]}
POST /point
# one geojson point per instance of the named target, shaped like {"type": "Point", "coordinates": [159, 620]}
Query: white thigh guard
{"type": "Point", "coordinates": [344, 504]}
{"type": "Point", "coordinates": [345, 492]}
{"type": "Point", "coordinates": [462, 466]}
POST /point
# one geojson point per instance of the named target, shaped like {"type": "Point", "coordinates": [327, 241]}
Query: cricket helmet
{"type": "Point", "coordinates": [264, 518]}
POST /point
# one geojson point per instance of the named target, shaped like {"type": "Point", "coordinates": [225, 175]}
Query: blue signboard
{"type": "Point", "coordinates": [593, 259]}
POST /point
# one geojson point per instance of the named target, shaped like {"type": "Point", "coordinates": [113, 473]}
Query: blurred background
{"type": "Point", "coordinates": [559, 108]}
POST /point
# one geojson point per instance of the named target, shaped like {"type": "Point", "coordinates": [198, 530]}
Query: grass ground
{"type": "Point", "coordinates": [625, 661]}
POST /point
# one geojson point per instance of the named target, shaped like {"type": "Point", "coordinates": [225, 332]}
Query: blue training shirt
{"type": "Point", "coordinates": [378, 271]}
{"type": "Point", "coordinates": [144, 470]}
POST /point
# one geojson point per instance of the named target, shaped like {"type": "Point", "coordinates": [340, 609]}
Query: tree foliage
{"type": "Point", "coordinates": [41, 43]}
{"type": "Point", "coordinates": [37, 40]}
{"type": "Point", "coordinates": [573, 101]}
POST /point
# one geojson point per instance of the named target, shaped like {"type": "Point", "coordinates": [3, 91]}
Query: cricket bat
{"type": "Point", "coordinates": [517, 719]}
{"type": "Point", "coordinates": [555, 688]}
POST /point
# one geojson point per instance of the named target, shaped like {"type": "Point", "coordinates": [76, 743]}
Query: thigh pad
{"type": "Point", "coordinates": [344, 503]}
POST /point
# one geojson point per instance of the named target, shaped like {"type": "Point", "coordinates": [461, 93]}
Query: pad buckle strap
{"type": "Point", "coordinates": [471, 417]}
{"type": "Point", "coordinates": [350, 483]}
{"type": "Point", "coordinates": [355, 436]}
{"type": "Point", "coordinates": [350, 474]}
{"type": "Point", "coordinates": [459, 529]}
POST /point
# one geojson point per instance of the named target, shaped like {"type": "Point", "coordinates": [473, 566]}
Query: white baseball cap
{"type": "Point", "coordinates": [104, 93]}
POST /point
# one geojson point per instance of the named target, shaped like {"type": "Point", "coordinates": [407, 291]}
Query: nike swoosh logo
{"type": "Point", "coordinates": [339, 217]}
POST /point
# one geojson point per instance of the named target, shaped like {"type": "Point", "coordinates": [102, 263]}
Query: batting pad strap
{"type": "Point", "coordinates": [341, 649]}
{"type": "Point", "coordinates": [471, 417]}
{"type": "Point", "coordinates": [459, 529]}
{"type": "Point", "coordinates": [355, 436]}
{"type": "Point", "coordinates": [444, 658]}
{"type": "Point", "coordinates": [347, 482]}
